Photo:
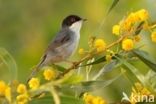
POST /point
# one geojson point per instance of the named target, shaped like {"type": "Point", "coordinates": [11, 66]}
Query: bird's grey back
{"type": "Point", "coordinates": [61, 47]}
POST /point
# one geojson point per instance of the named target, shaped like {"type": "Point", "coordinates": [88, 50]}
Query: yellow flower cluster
{"type": "Point", "coordinates": [137, 91]}
{"type": "Point", "coordinates": [153, 36]}
{"type": "Point", "coordinates": [90, 99]}
{"type": "Point", "coordinates": [34, 83]}
{"type": "Point", "coordinates": [116, 30]}
{"type": "Point", "coordinates": [100, 45]}
{"type": "Point", "coordinates": [138, 16]}
{"type": "Point", "coordinates": [49, 74]}
{"type": "Point", "coordinates": [21, 88]}
{"type": "Point", "coordinates": [127, 23]}
{"type": "Point", "coordinates": [23, 96]}
{"type": "Point", "coordinates": [142, 14]}
{"type": "Point", "coordinates": [2, 87]}
{"type": "Point", "coordinates": [5, 90]}
{"type": "Point", "coordinates": [127, 44]}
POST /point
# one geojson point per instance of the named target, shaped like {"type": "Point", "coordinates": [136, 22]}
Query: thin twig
{"type": "Point", "coordinates": [55, 95]}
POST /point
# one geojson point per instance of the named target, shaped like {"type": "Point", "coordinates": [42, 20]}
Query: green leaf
{"type": "Point", "coordinates": [151, 79]}
{"type": "Point", "coordinates": [64, 100]}
{"type": "Point", "coordinates": [60, 68]}
{"type": "Point", "coordinates": [93, 85]}
{"type": "Point", "coordinates": [107, 68]}
{"type": "Point", "coordinates": [9, 61]}
{"type": "Point", "coordinates": [139, 28]}
{"type": "Point", "coordinates": [134, 70]}
{"type": "Point", "coordinates": [146, 58]}
{"type": "Point", "coordinates": [112, 6]}
{"type": "Point", "coordinates": [73, 79]}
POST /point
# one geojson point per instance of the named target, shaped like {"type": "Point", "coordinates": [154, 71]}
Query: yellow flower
{"type": "Point", "coordinates": [116, 29]}
{"type": "Point", "coordinates": [3, 86]}
{"type": "Point", "coordinates": [127, 44]}
{"type": "Point", "coordinates": [126, 24]}
{"type": "Point", "coordinates": [5, 90]}
{"type": "Point", "coordinates": [98, 100]}
{"type": "Point", "coordinates": [49, 74]}
{"type": "Point", "coordinates": [21, 89]}
{"type": "Point", "coordinates": [8, 93]}
{"type": "Point", "coordinates": [34, 83]}
{"type": "Point", "coordinates": [90, 99]}
{"type": "Point", "coordinates": [153, 36]}
{"type": "Point", "coordinates": [133, 18]}
{"type": "Point", "coordinates": [81, 51]}
{"type": "Point", "coordinates": [142, 14]}
{"type": "Point", "coordinates": [100, 45]}
{"type": "Point", "coordinates": [22, 98]}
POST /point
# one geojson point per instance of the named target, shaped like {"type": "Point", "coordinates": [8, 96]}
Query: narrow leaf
{"type": "Point", "coordinates": [73, 79]}
{"type": "Point", "coordinates": [139, 28]}
{"type": "Point", "coordinates": [151, 78]}
{"type": "Point", "coordinates": [60, 68]}
{"type": "Point", "coordinates": [8, 60]}
{"type": "Point", "coordinates": [112, 6]}
{"type": "Point", "coordinates": [93, 85]}
{"type": "Point", "coordinates": [146, 58]}
{"type": "Point", "coordinates": [134, 70]}
{"type": "Point", "coordinates": [107, 68]}
{"type": "Point", "coordinates": [64, 100]}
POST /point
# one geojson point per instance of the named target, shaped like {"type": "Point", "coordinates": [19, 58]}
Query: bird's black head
{"type": "Point", "coordinates": [69, 20]}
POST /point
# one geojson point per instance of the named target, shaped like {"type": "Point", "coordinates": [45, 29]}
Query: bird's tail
{"type": "Point", "coordinates": [36, 69]}
{"type": "Point", "coordinates": [34, 72]}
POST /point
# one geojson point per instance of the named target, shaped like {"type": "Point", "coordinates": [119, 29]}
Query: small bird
{"type": "Point", "coordinates": [63, 45]}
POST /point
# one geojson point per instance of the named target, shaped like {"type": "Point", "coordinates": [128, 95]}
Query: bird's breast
{"type": "Point", "coordinates": [73, 44]}
{"type": "Point", "coordinates": [70, 47]}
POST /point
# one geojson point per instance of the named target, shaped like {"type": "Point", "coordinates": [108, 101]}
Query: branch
{"type": "Point", "coordinates": [89, 56]}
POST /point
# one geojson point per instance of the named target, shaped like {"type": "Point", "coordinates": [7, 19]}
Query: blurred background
{"type": "Point", "coordinates": [27, 26]}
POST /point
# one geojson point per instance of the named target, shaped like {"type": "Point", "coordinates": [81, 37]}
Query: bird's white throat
{"type": "Point", "coordinates": [75, 27]}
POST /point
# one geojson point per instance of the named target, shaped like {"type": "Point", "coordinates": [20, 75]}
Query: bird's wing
{"type": "Point", "coordinates": [61, 38]}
